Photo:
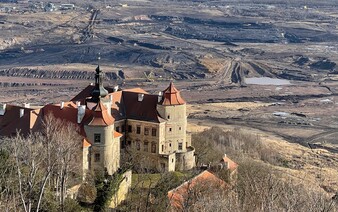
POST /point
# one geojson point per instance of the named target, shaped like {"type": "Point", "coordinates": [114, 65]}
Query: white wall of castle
{"type": "Point", "coordinates": [106, 153]}
{"type": "Point", "coordinates": [175, 127]}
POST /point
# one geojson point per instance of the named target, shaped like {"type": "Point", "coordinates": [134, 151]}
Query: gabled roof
{"type": "Point", "coordinates": [171, 96]}
{"type": "Point", "coordinates": [200, 184]}
{"type": "Point", "coordinates": [231, 164]}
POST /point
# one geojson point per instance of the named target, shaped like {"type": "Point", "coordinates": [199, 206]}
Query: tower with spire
{"type": "Point", "coordinates": [99, 128]}
{"type": "Point", "coordinates": [99, 91]}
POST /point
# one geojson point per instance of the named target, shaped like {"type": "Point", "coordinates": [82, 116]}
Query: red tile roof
{"type": "Point", "coordinates": [136, 90]}
{"type": "Point", "coordinates": [84, 94]}
{"type": "Point", "coordinates": [117, 108]}
{"type": "Point", "coordinates": [171, 96]}
{"type": "Point", "coordinates": [231, 164]}
{"type": "Point", "coordinates": [117, 134]}
{"type": "Point", "coordinates": [100, 116]}
{"type": "Point", "coordinates": [144, 110]}
{"type": "Point", "coordinates": [201, 184]}
{"type": "Point", "coordinates": [12, 112]}
{"type": "Point", "coordinates": [11, 121]}
{"type": "Point", "coordinates": [86, 143]}
{"type": "Point", "coordinates": [125, 104]}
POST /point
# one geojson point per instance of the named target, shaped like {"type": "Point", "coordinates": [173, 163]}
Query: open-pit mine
{"type": "Point", "coordinates": [268, 66]}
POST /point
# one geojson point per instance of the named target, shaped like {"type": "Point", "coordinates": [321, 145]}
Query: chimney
{"type": "Point", "coordinates": [78, 103]}
{"type": "Point", "coordinates": [62, 104]}
{"type": "Point", "coordinates": [116, 88]}
{"type": "Point", "coordinates": [80, 113]}
{"type": "Point", "coordinates": [140, 97]}
{"type": "Point", "coordinates": [22, 112]}
{"type": "Point", "coordinates": [2, 109]}
{"type": "Point", "coordinates": [160, 95]}
{"type": "Point", "coordinates": [227, 165]}
{"type": "Point", "coordinates": [26, 105]}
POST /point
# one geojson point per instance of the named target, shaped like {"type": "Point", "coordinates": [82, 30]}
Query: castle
{"type": "Point", "coordinates": [111, 121]}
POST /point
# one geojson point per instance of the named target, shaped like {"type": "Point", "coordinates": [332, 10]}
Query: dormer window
{"type": "Point", "coordinates": [97, 138]}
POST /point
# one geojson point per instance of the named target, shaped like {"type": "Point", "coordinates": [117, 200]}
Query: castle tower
{"type": "Point", "coordinates": [105, 148]}
{"type": "Point", "coordinates": [172, 108]}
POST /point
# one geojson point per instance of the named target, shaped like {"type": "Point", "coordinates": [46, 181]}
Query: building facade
{"type": "Point", "coordinates": [114, 122]}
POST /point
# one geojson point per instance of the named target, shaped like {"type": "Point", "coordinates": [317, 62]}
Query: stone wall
{"type": "Point", "coordinates": [185, 160]}
{"type": "Point", "coordinates": [123, 190]}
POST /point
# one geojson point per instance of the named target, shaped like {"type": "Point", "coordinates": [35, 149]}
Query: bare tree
{"type": "Point", "coordinates": [63, 145]}
{"type": "Point", "coordinates": [39, 161]}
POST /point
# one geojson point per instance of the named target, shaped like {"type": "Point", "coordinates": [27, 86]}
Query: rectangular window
{"type": "Point", "coordinates": [153, 131]}
{"type": "Point", "coordinates": [129, 128]}
{"type": "Point", "coordinates": [97, 157]}
{"type": "Point", "coordinates": [153, 147]}
{"type": "Point", "coordinates": [117, 129]}
{"type": "Point", "coordinates": [138, 129]}
{"type": "Point", "coordinates": [162, 148]}
{"type": "Point", "coordinates": [163, 166]}
{"type": "Point", "coordinates": [97, 138]}
{"type": "Point", "coordinates": [145, 147]}
{"type": "Point", "coordinates": [123, 128]}
{"type": "Point", "coordinates": [170, 129]}
{"type": "Point", "coordinates": [138, 145]}
{"type": "Point", "coordinates": [146, 131]}
{"type": "Point", "coordinates": [180, 146]}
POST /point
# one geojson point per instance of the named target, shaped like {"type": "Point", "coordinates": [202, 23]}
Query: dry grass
{"type": "Point", "coordinates": [317, 168]}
